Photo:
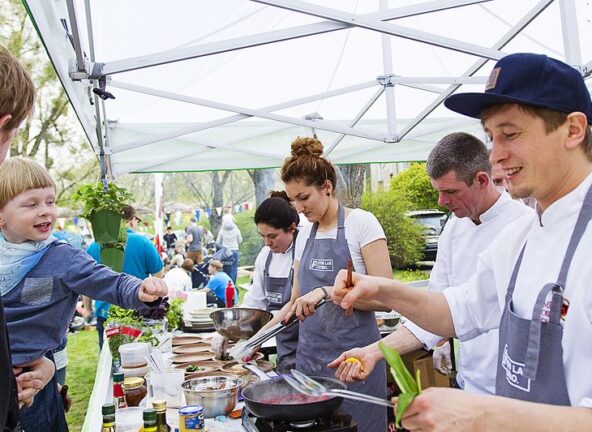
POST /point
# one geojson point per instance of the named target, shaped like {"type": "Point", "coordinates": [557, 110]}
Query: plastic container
{"type": "Point", "coordinates": [140, 371]}
{"type": "Point", "coordinates": [129, 419]}
{"type": "Point", "coordinates": [167, 387]}
{"type": "Point", "coordinates": [134, 354]}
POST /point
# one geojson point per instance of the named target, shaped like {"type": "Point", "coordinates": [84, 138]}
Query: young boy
{"type": "Point", "coordinates": [41, 278]}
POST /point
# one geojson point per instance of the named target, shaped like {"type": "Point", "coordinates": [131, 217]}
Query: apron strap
{"type": "Point", "coordinates": [581, 225]}
{"type": "Point", "coordinates": [340, 223]}
{"type": "Point", "coordinates": [512, 283]}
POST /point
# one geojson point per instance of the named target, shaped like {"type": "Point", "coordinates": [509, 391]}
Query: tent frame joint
{"type": "Point", "coordinates": [388, 80]}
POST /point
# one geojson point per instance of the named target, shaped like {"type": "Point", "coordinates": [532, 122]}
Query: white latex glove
{"type": "Point", "coordinates": [219, 345]}
{"type": "Point", "coordinates": [441, 357]}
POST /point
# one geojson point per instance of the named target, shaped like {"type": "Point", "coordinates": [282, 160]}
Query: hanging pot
{"type": "Point", "coordinates": [105, 225]}
{"type": "Point", "coordinates": [112, 257]}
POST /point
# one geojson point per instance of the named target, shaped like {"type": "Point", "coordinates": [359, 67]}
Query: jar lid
{"type": "Point", "coordinates": [133, 382]}
{"type": "Point", "coordinates": [149, 414]}
{"type": "Point", "coordinates": [108, 409]}
{"type": "Point", "coordinates": [159, 405]}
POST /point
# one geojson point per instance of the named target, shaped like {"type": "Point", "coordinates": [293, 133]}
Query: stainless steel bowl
{"type": "Point", "coordinates": [204, 391]}
{"type": "Point", "coordinates": [239, 323]}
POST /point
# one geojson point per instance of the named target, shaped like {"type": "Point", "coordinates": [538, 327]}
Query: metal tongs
{"type": "Point", "coordinates": [307, 385]}
{"type": "Point", "coordinates": [241, 349]}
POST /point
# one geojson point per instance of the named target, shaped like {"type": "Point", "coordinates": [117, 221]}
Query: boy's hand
{"type": "Point", "coordinates": [152, 288]}
{"type": "Point", "coordinates": [39, 373]}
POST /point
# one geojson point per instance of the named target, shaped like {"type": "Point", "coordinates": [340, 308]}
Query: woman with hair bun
{"type": "Point", "coordinates": [336, 235]}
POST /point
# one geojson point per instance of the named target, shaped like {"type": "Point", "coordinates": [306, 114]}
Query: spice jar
{"type": "Point", "coordinates": [135, 391]}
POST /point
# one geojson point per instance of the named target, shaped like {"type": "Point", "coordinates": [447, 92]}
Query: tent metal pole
{"type": "Point", "coordinates": [181, 54]}
{"type": "Point", "coordinates": [356, 119]}
{"type": "Point", "coordinates": [80, 66]}
{"type": "Point", "coordinates": [571, 38]}
{"type": "Point", "coordinates": [503, 41]}
{"type": "Point", "coordinates": [440, 80]}
{"type": "Point", "coordinates": [382, 27]}
{"type": "Point", "coordinates": [322, 124]}
{"type": "Point", "coordinates": [389, 85]}
{"type": "Point", "coordinates": [234, 118]}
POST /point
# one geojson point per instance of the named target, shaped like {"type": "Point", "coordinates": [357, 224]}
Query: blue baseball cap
{"type": "Point", "coordinates": [528, 79]}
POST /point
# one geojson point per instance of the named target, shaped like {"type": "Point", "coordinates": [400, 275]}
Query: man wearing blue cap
{"type": "Point", "coordinates": [532, 283]}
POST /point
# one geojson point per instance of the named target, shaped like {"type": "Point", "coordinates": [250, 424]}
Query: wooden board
{"type": "Point", "coordinates": [191, 349]}
{"type": "Point", "coordinates": [186, 340]}
{"type": "Point", "coordinates": [191, 358]}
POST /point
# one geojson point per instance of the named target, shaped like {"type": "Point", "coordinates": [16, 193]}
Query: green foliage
{"type": "Point", "coordinates": [410, 275]}
{"type": "Point", "coordinates": [414, 185]}
{"type": "Point", "coordinates": [404, 236]}
{"type": "Point", "coordinates": [175, 313]}
{"type": "Point", "coordinates": [252, 242]}
{"type": "Point", "coordinates": [94, 198]}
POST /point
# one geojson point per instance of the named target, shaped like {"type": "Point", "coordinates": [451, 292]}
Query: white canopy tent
{"type": "Point", "coordinates": [228, 84]}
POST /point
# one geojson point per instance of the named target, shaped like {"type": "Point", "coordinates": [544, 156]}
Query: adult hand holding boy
{"type": "Point", "coordinates": [152, 289]}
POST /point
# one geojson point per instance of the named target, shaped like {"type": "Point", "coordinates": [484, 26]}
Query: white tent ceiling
{"type": "Point", "coordinates": [228, 84]}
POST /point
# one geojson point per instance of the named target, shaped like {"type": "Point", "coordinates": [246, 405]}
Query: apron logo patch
{"type": "Point", "coordinates": [317, 264]}
{"type": "Point", "coordinates": [515, 372]}
{"type": "Point", "coordinates": [274, 297]}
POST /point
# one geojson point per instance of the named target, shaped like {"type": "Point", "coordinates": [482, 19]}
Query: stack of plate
{"type": "Point", "coordinates": [199, 319]}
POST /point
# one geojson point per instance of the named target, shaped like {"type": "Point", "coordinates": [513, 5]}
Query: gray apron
{"type": "Point", "coordinates": [326, 334]}
{"type": "Point", "coordinates": [530, 359]}
{"type": "Point", "coordinates": [278, 291]}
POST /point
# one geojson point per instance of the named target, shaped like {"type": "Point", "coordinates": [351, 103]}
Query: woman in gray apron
{"type": "Point", "coordinates": [309, 180]}
{"type": "Point", "coordinates": [276, 221]}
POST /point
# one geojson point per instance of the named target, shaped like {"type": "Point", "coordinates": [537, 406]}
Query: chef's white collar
{"type": "Point", "coordinates": [496, 208]}
{"type": "Point", "coordinates": [566, 205]}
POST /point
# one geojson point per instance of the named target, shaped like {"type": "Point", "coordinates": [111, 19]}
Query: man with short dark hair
{"type": "Point", "coordinates": [533, 282]}
{"type": "Point", "coordinates": [170, 238]}
{"type": "Point", "coordinates": [460, 171]}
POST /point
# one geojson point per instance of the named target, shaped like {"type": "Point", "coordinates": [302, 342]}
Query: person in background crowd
{"type": "Point", "coordinates": [460, 171]}
{"type": "Point", "coordinates": [230, 237]}
{"type": "Point", "coordinates": [337, 235]}
{"type": "Point", "coordinates": [194, 240]}
{"type": "Point", "coordinates": [170, 238]}
{"type": "Point", "coordinates": [533, 282]}
{"type": "Point", "coordinates": [43, 278]}
{"type": "Point", "coordinates": [178, 278]}
{"type": "Point", "coordinates": [17, 99]}
{"type": "Point", "coordinates": [218, 282]}
{"type": "Point", "coordinates": [141, 260]}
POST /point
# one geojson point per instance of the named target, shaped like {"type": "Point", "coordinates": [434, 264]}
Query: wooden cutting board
{"type": "Point", "coordinates": [191, 358]}
{"type": "Point", "coordinates": [191, 349]}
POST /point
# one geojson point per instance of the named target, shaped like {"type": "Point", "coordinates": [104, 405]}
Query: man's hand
{"type": "Point", "coordinates": [29, 383]}
{"type": "Point", "coordinates": [363, 287]}
{"type": "Point", "coordinates": [442, 359]}
{"type": "Point", "coordinates": [152, 288]}
{"type": "Point", "coordinates": [350, 371]}
{"type": "Point", "coordinates": [441, 409]}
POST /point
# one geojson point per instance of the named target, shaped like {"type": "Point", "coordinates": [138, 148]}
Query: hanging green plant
{"type": "Point", "coordinates": [103, 209]}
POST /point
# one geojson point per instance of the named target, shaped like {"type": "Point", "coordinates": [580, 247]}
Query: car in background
{"type": "Point", "coordinates": [433, 221]}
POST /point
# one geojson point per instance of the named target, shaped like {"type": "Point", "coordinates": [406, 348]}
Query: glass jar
{"type": "Point", "coordinates": [135, 391]}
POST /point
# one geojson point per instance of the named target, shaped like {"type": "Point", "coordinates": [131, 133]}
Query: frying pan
{"type": "Point", "coordinates": [277, 387]}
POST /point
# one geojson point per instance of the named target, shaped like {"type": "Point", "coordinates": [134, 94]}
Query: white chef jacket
{"type": "Point", "coordinates": [280, 266]}
{"type": "Point", "coordinates": [477, 305]}
{"type": "Point", "coordinates": [459, 246]}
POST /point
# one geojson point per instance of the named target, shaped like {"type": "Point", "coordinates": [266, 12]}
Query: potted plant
{"type": "Point", "coordinates": [103, 209]}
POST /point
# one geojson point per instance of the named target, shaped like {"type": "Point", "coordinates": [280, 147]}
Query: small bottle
{"type": "Point", "coordinates": [149, 416]}
{"type": "Point", "coordinates": [229, 295]}
{"type": "Point", "coordinates": [108, 411]}
{"type": "Point", "coordinates": [118, 393]}
{"type": "Point", "coordinates": [161, 422]}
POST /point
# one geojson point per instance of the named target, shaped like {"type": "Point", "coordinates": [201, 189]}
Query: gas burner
{"type": "Point", "coordinates": [337, 422]}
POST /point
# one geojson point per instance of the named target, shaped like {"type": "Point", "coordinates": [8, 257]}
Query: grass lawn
{"type": "Point", "coordinates": [410, 275]}
{"type": "Point", "coordinates": [83, 355]}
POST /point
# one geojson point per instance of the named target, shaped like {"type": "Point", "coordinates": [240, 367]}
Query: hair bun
{"type": "Point", "coordinates": [306, 146]}
{"type": "Point", "coordinates": [279, 194]}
